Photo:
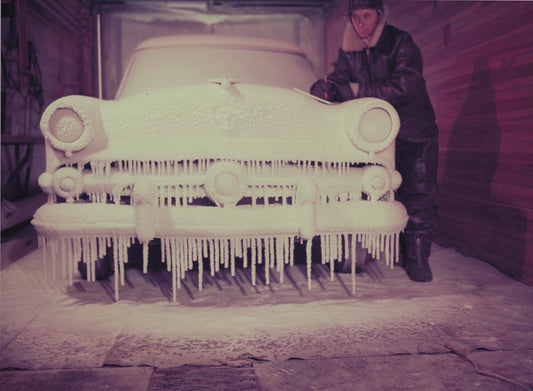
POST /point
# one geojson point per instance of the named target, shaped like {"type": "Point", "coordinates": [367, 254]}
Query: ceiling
{"type": "Point", "coordinates": [214, 4]}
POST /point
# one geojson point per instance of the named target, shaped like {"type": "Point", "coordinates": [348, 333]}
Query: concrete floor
{"type": "Point", "coordinates": [393, 335]}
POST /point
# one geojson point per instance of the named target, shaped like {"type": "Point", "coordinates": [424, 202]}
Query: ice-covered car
{"type": "Point", "coordinates": [212, 149]}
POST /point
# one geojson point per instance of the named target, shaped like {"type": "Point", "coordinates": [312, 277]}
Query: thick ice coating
{"type": "Point", "coordinates": [226, 170]}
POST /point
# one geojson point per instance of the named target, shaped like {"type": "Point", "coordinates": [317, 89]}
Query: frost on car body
{"type": "Point", "coordinates": [210, 148]}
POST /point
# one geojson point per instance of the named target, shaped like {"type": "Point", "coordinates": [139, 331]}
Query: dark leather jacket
{"type": "Point", "coordinates": [391, 70]}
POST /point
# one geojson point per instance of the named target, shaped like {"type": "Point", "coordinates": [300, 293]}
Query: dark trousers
{"type": "Point", "coordinates": [417, 161]}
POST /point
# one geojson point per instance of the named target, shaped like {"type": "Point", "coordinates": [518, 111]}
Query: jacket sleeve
{"type": "Point", "coordinates": [336, 87]}
{"type": "Point", "coordinates": [340, 80]}
{"type": "Point", "coordinates": [341, 69]}
{"type": "Point", "coordinates": [406, 78]}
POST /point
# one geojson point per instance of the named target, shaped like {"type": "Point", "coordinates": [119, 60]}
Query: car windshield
{"type": "Point", "coordinates": [155, 68]}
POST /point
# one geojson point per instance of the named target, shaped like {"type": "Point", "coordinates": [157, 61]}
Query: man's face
{"type": "Point", "coordinates": [365, 21]}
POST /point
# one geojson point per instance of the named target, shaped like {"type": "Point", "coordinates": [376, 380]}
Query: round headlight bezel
{"type": "Point", "coordinates": [376, 181]}
{"type": "Point", "coordinates": [375, 114]}
{"type": "Point", "coordinates": [67, 182]}
{"type": "Point", "coordinates": [226, 183]}
{"type": "Point", "coordinates": [66, 125]}
{"type": "Point", "coordinates": [69, 124]}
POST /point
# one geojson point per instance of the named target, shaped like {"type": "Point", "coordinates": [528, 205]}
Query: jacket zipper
{"type": "Point", "coordinates": [371, 78]}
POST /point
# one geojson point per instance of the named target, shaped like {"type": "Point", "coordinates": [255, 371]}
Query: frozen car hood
{"type": "Point", "coordinates": [211, 120]}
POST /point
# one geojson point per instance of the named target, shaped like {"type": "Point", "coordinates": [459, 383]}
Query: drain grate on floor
{"type": "Point", "coordinates": [199, 378]}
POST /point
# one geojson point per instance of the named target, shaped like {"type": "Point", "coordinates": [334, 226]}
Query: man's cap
{"type": "Point", "coordinates": [357, 4]}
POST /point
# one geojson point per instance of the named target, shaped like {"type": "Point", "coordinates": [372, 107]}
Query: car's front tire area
{"type": "Point", "coordinates": [104, 267]}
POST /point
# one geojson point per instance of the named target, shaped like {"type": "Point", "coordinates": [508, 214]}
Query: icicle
{"type": "Point", "coordinates": [254, 249]}
{"type": "Point", "coordinates": [279, 258]}
{"type": "Point", "coordinates": [145, 257]}
{"type": "Point", "coordinates": [232, 256]}
{"type": "Point", "coordinates": [115, 268]}
{"type": "Point", "coordinates": [386, 250]}
{"type": "Point", "coordinates": [334, 246]}
{"type": "Point", "coordinates": [397, 246]}
{"type": "Point", "coordinates": [328, 248]}
{"type": "Point", "coordinates": [176, 264]}
{"type": "Point", "coordinates": [92, 258]}
{"type": "Point", "coordinates": [339, 247]}
{"type": "Point", "coordinates": [355, 238]}
{"type": "Point", "coordinates": [205, 251]}
{"type": "Point", "coordinates": [291, 250]}
{"type": "Point", "coordinates": [309, 262]}
{"type": "Point", "coordinates": [245, 243]}
{"type": "Point", "coordinates": [212, 257]}
{"type": "Point", "coordinates": [181, 254]}
{"type": "Point", "coordinates": [101, 247]}
{"type": "Point", "coordinates": [286, 257]}
{"type": "Point", "coordinates": [225, 252]}
{"type": "Point", "coordinates": [260, 247]}
{"type": "Point", "coordinates": [175, 269]}
{"type": "Point", "coordinates": [163, 251]}
{"type": "Point", "coordinates": [267, 260]}
{"type": "Point", "coordinates": [168, 254]}
{"type": "Point", "coordinates": [123, 254]}
{"type": "Point", "coordinates": [331, 257]}
{"type": "Point", "coordinates": [281, 268]}
{"type": "Point", "coordinates": [323, 249]}
{"type": "Point", "coordinates": [200, 274]}
{"type": "Point", "coordinates": [218, 256]}
{"type": "Point", "coordinates": [196, 250]}
{"type": "Point", "coordinates": [238, 248]}
{"type": "Point", "coordinates": [189, 253]}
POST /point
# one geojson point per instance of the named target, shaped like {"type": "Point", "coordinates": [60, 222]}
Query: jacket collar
{"type": "Point", "coordinates": [351, 42]}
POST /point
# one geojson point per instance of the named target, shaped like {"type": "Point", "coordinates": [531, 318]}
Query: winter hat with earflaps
{"type": "Point", "coordinates": [351, 41]}
{"type": "Point", "coordinates": [357, 4]}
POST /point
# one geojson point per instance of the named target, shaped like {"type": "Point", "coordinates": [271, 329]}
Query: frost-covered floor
{"type": "Point", "coordinates": [46, 325]}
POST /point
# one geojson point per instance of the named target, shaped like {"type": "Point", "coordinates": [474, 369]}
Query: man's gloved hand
{"type": "Point", "coordinates": [331, 91]}
{"type": "Point", "coordinates": [344, 92]}
{"type": "Point", "coordinates": [323, 90]}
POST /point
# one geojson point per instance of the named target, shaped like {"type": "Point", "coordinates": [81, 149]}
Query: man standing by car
{"type": "Point", "coordinates": [378, 60]}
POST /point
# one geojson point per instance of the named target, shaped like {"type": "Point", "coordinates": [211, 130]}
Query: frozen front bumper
{"type": "Point", "coordinates": [82, 220]}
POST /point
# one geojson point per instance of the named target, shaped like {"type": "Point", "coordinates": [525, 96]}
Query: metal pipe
{"type": "Point", "coordinates": [99, 45]}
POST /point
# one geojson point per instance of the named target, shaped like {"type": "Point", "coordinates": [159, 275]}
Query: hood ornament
{"type": "Point", "coordinates": [223, 81]}
{"type": "Point", "coordinates": [228, 85]}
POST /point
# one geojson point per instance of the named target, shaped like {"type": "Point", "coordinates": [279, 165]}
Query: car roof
{"type": "Point", "coordinates": [226, 41]}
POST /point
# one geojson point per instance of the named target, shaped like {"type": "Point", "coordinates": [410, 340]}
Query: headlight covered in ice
{"type": "Point", "coordinates": [71, 123]}
{"type": "Point", "coordinates": [66, 125]}
{"type": "Point", "coordinates": [377, 127]}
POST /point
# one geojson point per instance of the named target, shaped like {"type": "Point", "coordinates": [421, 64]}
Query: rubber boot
{"type": "Point", "coordinates": [416, 255]}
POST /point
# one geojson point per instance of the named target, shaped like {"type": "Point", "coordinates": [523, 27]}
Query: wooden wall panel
{"type": "Point", "coordinates": [478, 65]}
{"type": "Point", "coordinates": [478, 59]}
